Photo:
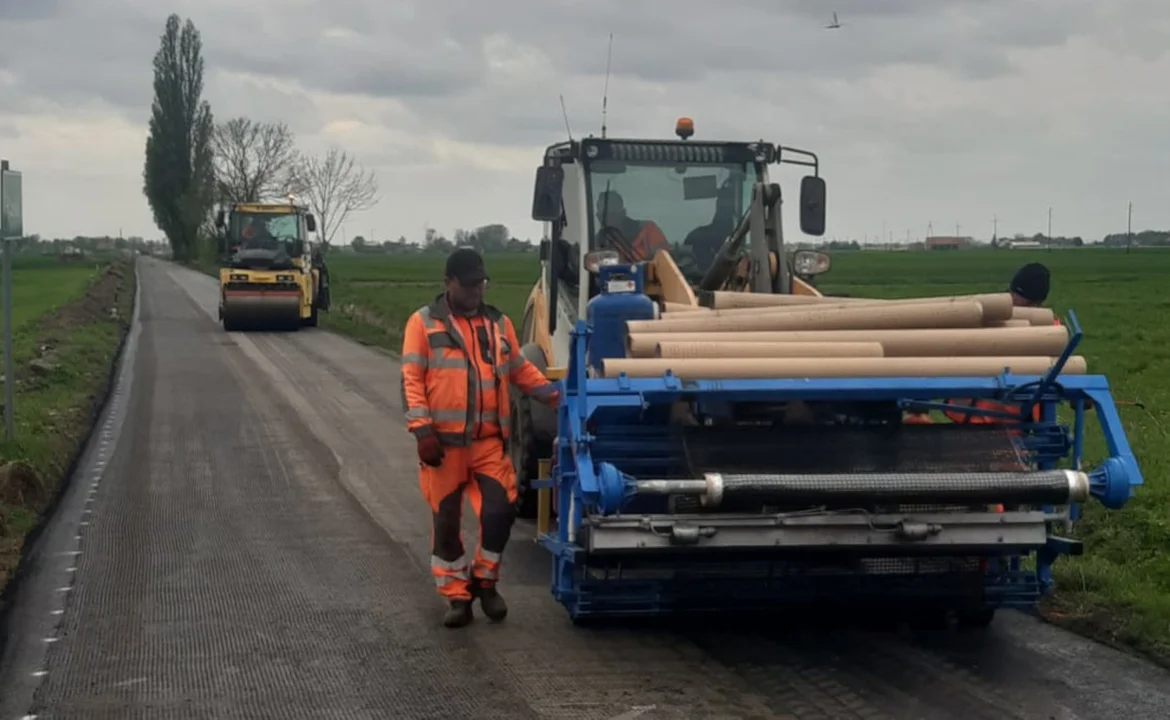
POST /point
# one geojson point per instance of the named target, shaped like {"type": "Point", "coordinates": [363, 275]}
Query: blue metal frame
{"type": "Point", "coordinates": [629, 430]}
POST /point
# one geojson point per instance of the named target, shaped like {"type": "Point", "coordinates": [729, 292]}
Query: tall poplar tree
{"type": "Point", "coordinates": [179, 178]}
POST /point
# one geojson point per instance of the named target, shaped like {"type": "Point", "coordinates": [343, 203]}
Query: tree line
{"type": "Point", "coordinates": [194, 164]}
{"type": "Point", "coordinates": [493, 238]}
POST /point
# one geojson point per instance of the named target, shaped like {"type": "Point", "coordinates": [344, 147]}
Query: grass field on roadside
{"type": "Point", "coordinates": [1120, 589]}
{"type": "Point", "coordinates": [64, 340]}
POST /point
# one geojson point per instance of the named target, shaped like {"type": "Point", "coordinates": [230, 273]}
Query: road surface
{"type": "Point", "coordinates": [245, 538]}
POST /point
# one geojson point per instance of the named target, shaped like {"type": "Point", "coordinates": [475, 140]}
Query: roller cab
{"type": "Point", "coordinates": [714, 482]}
{"type": "Point", "coordinates": [271, 276]}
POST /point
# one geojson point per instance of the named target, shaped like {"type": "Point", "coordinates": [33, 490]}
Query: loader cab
{"type": "Point", "coordinates": [602, 199]}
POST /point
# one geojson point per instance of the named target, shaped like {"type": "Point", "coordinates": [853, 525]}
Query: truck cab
{"type": "Point", "coordinates": [685, 208]}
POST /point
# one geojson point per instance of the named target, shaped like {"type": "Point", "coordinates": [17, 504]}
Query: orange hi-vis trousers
{"type": "Point", "coordinates": [483, 472]}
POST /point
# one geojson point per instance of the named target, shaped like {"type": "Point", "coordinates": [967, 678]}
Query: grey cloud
{"type": "Point", "coordinates": [31, 9]}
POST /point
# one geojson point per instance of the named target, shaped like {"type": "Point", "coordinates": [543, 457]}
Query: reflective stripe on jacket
{"type": "Point", "coordinates": [440, 391]}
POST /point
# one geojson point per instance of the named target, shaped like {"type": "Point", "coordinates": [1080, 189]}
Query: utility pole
{"type": "Point", "coordinates": [1129, 228]}
{"type": "Point", "coordinates": [994, 227]}
{"type": "Point", "coordinates": [1048, 240]}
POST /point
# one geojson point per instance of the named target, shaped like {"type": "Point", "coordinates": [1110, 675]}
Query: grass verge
{"type": "Point", "coordinates": [63, 359]}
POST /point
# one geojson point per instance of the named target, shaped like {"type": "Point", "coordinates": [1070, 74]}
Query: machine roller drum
{"type": "Point", "coordinates": [863, 489]}
{"type": "Point", "coordinates": [262, 309]}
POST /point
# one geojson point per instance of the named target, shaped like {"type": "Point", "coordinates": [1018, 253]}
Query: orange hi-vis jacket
{"type": "Point", "coordinates": [456, 373]}
{"type": "Point", "coordinates": [958, 416]}
{"type": "Point", "coordinates": [649, 240]}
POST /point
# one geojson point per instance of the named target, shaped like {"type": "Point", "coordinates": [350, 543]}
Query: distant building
{"type": "Point", "coordinates": [947, 242]}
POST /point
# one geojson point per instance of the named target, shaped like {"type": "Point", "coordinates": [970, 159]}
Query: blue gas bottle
{"type": "Point", "coordinates": [622, 298]}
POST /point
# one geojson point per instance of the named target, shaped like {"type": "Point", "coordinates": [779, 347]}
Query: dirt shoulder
{"type": "Point", "coordinates": [60, 392]}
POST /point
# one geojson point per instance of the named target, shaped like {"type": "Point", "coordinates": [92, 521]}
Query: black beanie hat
{"type": "Point", "coordinates": [1031, 283]}
{"type": "Point", "coordinates": [465, 265]}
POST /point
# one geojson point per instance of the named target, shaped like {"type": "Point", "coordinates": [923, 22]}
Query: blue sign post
{"type": "Point", "coordinates": [11, 228]}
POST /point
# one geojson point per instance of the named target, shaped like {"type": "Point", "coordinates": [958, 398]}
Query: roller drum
{"type": "Point", "coordinates": [262, 309]}
{"type": "Point", "coordinates": [863, 489]}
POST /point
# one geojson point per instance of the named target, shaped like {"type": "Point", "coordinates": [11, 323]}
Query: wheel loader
{"type": "Point", "coordinates": [707, 197]}
{"type": "Point", "coordinates": [271, 275]}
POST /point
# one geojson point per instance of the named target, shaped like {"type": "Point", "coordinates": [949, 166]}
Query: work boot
{"type": "Point", "coordinates": [491, 602]}
{"type": "Point", "coordinates": [458, 614]}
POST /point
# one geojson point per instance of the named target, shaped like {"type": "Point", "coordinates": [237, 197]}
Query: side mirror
{"type": "Point", "coordinates": [812, 205]}
{"type": "Point", "coordinates": [219, 220]}
{"type": "Point", "coordinates": [310, 222]}
{"type": "Point", "coordinates": [546, 197]}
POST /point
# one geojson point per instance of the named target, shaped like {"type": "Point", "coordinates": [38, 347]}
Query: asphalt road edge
{"type": "Point", "coordinates": [31, 590]}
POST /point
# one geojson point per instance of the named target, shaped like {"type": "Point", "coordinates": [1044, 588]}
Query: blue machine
{"type": "Point", "coordinates": [730, 512]}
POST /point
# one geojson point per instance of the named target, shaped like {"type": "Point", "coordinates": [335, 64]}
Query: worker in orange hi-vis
{"type": "Point", "coordinates": [634, 240]}
{"type": "Point", "coordinates": [1029, 288]}
{"type": "Point", "coordinates": [460, 358]}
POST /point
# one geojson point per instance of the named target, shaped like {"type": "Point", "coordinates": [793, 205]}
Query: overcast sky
{"type": "Point", "coordinates": [922, 111]}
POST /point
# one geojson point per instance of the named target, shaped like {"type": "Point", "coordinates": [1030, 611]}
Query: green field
{"type": "Point", "coordinates": [64, 339]}
{"type": "Point", "coordinates": [1119, 590]}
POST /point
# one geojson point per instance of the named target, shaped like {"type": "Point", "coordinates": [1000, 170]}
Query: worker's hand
{"type": "Point", "coordinates": [430, 450]}
{"type": "Point", "coordinates": [547, 394]}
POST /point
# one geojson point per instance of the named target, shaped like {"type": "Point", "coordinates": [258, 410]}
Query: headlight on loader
{"type": "Point", "coordinates": [237, 277]}
{"type": "Point", "coordinates": [807, 262]}
{"type": "Point", "coordinates": [284, 278]}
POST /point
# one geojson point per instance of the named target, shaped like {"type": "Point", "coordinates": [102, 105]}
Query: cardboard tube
{"type": "Point", "coordinates": [670, 349]}
{"type": "Point", "coordinates": [757, 368]}
{"type": "Point", "coordinates": [675, 307]}
{"type": "Point", "coordinates": [869, 317]}
{"type": "Point", "coordinates": [997, 307]}
{"type": "Point", "coordinates": [726, 300]}
{"type": "Point", "coordinates": [1034, 315]}
{"type": "Point", "coordinates": [1010, 323]}
{"type": "Point", "coordinates": [1046, 341]}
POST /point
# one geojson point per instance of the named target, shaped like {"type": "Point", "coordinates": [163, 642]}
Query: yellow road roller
{"type": "Point", "coordinates": [271, 276]}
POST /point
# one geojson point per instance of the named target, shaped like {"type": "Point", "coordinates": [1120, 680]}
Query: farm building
{"type": "Point", "coordinates": [947, 242]}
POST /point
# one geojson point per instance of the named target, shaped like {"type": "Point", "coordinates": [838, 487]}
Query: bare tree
{"type": "Point", "coordinates": [254, 161]}
{"type": "Point", "coordinates": [334, 186]}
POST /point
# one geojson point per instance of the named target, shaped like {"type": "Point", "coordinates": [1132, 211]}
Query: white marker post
{"type": "Point", "coordinates": [11, 228]}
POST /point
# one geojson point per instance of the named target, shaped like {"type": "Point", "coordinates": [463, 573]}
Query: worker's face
{"type": "Point", "coordinates": [466, 295]}
{"type": "Point", "coordinates": [1021, 301]}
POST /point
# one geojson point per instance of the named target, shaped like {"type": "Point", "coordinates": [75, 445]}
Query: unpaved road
{"type": "Point", "coordinates": [246, 539]}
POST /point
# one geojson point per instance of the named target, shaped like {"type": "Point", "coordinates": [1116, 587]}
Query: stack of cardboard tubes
{"type": "Point", "coordinates": [746, 335]}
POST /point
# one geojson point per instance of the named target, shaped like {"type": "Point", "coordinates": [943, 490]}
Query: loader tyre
{"type": "Point", "coordinates": [523, 456]}
{"type": "Point", "coordinates": [975, 618]}
{"type": "Point", "coordinates": [529, 441]}
{"type": "Point", "coordinates": [311, 321]}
